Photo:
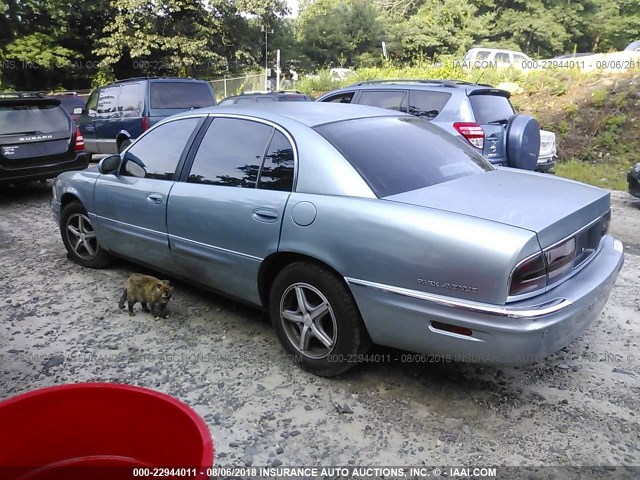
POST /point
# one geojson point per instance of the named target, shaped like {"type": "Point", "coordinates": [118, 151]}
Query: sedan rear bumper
{"type": "Point", "coordinates": [517, 333]}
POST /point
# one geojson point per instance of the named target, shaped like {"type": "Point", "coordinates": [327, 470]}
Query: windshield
{"type": "Point", "coordinates": [398, 154]}
{"type": "Point", "coordinates": [43, 118]}
{"type": "Point", "coordinates": [182, 95]}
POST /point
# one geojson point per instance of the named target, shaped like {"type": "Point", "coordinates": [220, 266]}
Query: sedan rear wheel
{"type": "Point", "coordinates": [79, 237]}
{"type": "Point", "coordinates": [316, 319]}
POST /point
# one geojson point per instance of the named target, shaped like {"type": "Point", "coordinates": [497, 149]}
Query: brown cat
{"type": "Point", "coordinates": [149, 291]}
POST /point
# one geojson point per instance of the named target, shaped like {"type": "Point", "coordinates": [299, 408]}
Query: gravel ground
{"type": "Point", "coordinates": [59, 323]}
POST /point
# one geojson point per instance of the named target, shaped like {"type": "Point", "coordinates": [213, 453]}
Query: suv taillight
{"type": "Point", "coordinates": [145, 124]}
{"type": "Point", "coordinates": [472, 132]}
{"type": "Point", "coordinates": [78, 142]}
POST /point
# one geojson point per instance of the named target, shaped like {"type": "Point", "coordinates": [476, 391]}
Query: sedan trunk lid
{"type": "Point", "coordinates": [551, 207]}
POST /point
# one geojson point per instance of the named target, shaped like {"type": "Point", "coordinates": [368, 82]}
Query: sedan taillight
{"type": "Point", "coordinates": [78, 145]}
{"type": "Point", "coordinates": [560, 260]}
{"type": "Point", "coordinates": [529, 276]}
{"type": "Point", "coordinates": [472, 132]}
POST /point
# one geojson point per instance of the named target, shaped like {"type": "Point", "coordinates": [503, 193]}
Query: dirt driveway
{"type": "Point", "coordinates": [59, 323]}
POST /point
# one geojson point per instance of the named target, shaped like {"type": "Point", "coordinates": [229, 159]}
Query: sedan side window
{"type": "Point", "coordinates": [393, 99]}
{"type": "Point", "coordinates": [277, 169]}
{"type": "Point", "coordinates": [157, 154]}
{"type": "Point", "coordinates": [231, 153]}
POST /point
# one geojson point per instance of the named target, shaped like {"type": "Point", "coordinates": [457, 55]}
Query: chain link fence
{"type": "Point", "coordinates": [226, 86]}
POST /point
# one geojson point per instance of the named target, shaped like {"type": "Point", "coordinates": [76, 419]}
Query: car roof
{"type": "Point", "coordinates": [310, 114]}
{"type": "Point", "coordinates": [445, 85]}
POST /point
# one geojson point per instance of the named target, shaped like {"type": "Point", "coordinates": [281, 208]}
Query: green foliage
{"type": "Point", "coordinates": [601, 174]}
{"type": "Point", "coordinates": [38, 51]}
{"type": "Point", "coordinates": [599, 97]}
{"type": "Point", "coordinates": [439, 27]}
{"type": "Point", "coordinates": [334, 32]}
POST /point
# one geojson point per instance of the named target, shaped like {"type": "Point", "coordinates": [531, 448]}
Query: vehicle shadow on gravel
{"type": "Point", "coordinates": [25, 192]}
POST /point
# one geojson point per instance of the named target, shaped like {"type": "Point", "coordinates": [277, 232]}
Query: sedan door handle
{"type": "Point", "coordinates": [265, 215]}
{"type": "Point", "coordinates": [154, 198]}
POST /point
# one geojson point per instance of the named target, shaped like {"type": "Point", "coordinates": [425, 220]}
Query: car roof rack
{"type": "Point", "coordinates": [441, 83]}
{"type": "Point", "coordinates": [266, 92]}
{"type": "Point", "coordinates": [151, 77]}
{"type": "Point", "coordinates": [64, 93]}
{"type": "Point", "coordinates": [22, 94]}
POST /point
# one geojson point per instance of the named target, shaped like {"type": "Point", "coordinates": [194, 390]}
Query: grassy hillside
{"type": "Point", "coordinates": [595, 115]}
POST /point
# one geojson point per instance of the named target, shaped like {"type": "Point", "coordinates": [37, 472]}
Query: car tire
{"type": "Point", "coordinates": [79, 237]}
{"type": "Point", "coordinates": [328, 344]}
{"type": "Point", "coordinates": [123, 144]}
{"type": "Point", "coordinates": [523, 142]}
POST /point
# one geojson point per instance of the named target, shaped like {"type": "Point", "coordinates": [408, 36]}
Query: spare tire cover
{"type": "Point", "coordinates": [523, 142]}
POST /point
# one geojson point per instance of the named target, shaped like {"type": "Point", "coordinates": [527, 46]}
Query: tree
{"type": "Point", "coordinates": [337, 32]}
{"type": "Point", "coordinates": [438, 27]}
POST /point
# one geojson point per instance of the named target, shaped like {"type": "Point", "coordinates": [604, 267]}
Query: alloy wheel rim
{"type": "Point", "coordinates": [308, 320]}
{"type": "Point", "coordinates": [82, 237]}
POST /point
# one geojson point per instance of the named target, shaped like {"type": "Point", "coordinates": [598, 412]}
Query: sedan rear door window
{"type": "Point", "coordinates": [278, 167]}
{"type": "Point", "coordinates": [398, 154]}
{"type": "Point", "coordinates": [231, 153]}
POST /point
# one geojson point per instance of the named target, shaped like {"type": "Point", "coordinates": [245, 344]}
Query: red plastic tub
{"type": "Point", "coordinates": [101, 431]}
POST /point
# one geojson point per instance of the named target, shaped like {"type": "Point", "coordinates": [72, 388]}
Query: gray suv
{"type": "Point", "coordinates": [478, 113]}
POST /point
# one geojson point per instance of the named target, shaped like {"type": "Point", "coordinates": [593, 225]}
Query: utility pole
{"type": "Point", "coordinates": [278, 70]}
{"type": "Point", "coordinates": [266, 56]}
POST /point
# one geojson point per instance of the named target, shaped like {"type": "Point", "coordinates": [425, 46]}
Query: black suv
{"type": "Point", "coordinates": [268, 97]}
{"type": "Point", "coordinates": [478, 113]}
{"type": "Point", "coordinates": [38, 139]}
{"type": "Point", "coordinates": [120, 112]}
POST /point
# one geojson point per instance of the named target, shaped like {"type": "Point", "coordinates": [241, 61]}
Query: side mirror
{"type": "Point", "coordinates": [110, 165]}
{"type": "Point", "coordinates": [78, 111]}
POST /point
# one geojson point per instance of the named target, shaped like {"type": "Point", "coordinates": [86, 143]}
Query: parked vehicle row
{"type": "Point", "coordinates": [352, 224]}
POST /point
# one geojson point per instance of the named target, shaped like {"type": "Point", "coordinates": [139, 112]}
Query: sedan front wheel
{"type": "Point", "coordinates": [316, 319]}
{"type": "Point", "coordinates": [79, 237]}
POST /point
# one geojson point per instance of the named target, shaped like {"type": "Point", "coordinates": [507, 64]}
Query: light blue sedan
{"type": "Point", "coordinates": [352, 225]}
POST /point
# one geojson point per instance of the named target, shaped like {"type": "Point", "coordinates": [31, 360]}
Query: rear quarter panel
{"type": "Point", "coordinates": [407, 246]}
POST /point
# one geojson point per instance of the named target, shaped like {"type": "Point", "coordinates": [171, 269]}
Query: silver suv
{"type": "Point", "coordinates": [478, 113]}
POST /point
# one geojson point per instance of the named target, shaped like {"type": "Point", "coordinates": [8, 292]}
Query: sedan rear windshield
{"type": "Point", "coordinates": [36, 118]}
{"type": "Point", "coordinates": [398, 154]}
{"type": "Point", "coordinates": [491, 108]}
{"type": "Point", "coordinates": [182, 95]}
